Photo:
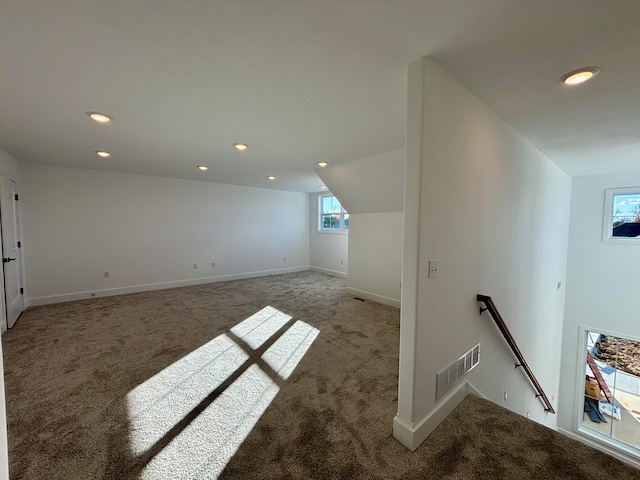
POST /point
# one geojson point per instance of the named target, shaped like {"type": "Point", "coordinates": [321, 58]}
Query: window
{"type": "Point", "coordinates": [333, 217]}
{"type": "Point", "coordinates": [622, 215]}
{"type": "Point", "coordinates": [611, 396]}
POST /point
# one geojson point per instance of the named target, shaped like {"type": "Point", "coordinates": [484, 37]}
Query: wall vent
{"type": "Point", "coordinates": [449, 376]}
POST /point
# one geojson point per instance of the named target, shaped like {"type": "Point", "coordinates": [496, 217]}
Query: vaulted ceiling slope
{"type": "Point", "coordinates": [304, 81]}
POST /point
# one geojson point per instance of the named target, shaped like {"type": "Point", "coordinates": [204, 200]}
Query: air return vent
{"type": "Point", "coordinates": [449, 376]}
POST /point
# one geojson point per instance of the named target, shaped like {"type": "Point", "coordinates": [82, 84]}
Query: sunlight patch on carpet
{"type": "Point", "coordinates": [203, 449]}
{"type": "Point", "coordinates": [260, 326]}
{"type": "Point", "coordinates": [288, 350]}
{"type": "Point", "coordinates": [188, 429]}
{"type": "Point", "coordinates": [158, 404]}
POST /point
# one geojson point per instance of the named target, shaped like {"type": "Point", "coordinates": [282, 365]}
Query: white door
{"type": "Point", "coordinates": [11, 249]}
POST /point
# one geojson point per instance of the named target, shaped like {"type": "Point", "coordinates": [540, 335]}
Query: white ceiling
{"type": "Point", "coordinates": [301, 81]}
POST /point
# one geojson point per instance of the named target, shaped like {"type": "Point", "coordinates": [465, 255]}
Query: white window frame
{"type": "Point", "coordinates": [607, 224]}
{"type": "Point", "coordinates": [578, 424]}
{"type": "Point", "coordinates": [343, 211]}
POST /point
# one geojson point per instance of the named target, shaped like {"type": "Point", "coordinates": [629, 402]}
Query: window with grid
{"type": "Point", "coordinates": [333, 217]}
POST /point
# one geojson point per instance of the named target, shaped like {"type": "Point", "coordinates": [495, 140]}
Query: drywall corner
{"type": "Point", "coordinates": [326, 271]}
{"type": "Point", "coordinates": [392, 302]}
{"type": "Point", "coordinates": [411, 436]}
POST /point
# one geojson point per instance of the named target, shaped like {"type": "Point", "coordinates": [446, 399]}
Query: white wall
{"type": "Point", "coordinates": [375, 256]}
{"type": "Point", "coordinates": [371, 189]}
{"type": "Point", "coordinates": [147, 232]}
{"type": "Point", "coordinates": [602, 285]}
{"type": "Point", "coordinates": [328, 252]}
{"type": "Point", "coordinates": [495, 212]}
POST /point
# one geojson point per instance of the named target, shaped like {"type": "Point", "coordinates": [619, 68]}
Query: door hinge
{"type": "Point", "coordinates": [21, 291]}
{"type": "Point", "coordinates": [19, 245]}
{"type": "Point", "coordinates": [16, 196]}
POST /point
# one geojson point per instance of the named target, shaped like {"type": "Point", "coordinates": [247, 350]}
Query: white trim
{"type": "Point", "coordinates": [411, 436]}
{"type": "Point", "coordinates": [592, 442]}
{"type": "Point", "coordinates": [334, 232]}
{"type": "Point", "coordinates": [578, 393]}
{"type": "Point", "coordinates": [343, 212]}
{"type": "Point", "coordinates": [69, 297]}
{"type": "Point", "coordinates": [612, 443]}
{"type": "Point", "coordinates": [403, 433]}
{"type": "Point", "coordinates": [326, 271]}
{"type": "Point", "coordinates": [585, 329]}
{"type": "Point", "coordinates": [581, 432]}
{"type": "Point", "coordinates": [607, 222]}
{"type": "Point", "coordinates": [392, 302]}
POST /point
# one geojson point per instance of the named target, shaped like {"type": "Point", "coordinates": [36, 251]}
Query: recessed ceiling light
{"type": "Point", "coordinates": [323, 164]}
{"type": "Point", "coordinates": [579, 76]}
{"type": "Point", "coordinates": [240, 146]}
{"type": "Point", "coordinates": [323, 187]}
{"type": "Point", "coordinates": [203, 167]}
{"type": "Point", "coordinates": [103, 154]}
{"type": "Point", "coordinates": [99, 117]}
{"type": "Point", "coordinates": [271, 177]}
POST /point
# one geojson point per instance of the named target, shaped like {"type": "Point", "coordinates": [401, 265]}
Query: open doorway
{"type": "Point", "coordinates": [11, 245]}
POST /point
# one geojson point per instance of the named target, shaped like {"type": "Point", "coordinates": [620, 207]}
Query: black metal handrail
{"type": "Point", "coordinates": [489, 305]}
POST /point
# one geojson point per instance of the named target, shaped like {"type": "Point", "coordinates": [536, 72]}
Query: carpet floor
{"type": "Point", "coordinates": [281, 377]}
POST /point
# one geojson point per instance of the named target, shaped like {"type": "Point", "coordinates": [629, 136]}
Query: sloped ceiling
{"type": "Point", "coordinates": [373, 184]}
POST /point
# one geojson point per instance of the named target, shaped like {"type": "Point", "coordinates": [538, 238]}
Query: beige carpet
{"type": "Point", "coordinates": [168, 384]}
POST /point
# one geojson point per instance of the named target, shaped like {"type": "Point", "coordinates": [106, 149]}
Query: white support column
{"type": "Point", "coordinates": [403, 423]}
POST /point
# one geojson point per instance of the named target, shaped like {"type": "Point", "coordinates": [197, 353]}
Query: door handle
{"type": "Point", "coordinates": [7, 260]}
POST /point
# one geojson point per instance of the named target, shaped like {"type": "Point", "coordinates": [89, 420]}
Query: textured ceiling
{"type": "Point", "coordinates": [304, 81]}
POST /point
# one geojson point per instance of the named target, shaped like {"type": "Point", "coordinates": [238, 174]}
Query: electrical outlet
{"type": "Point", "coordinates": [433, 268]}
{"type": "Point", "coordinates": [284, 259]}
{"type": "Point", "coordinates": [106, 274]}
{"type": "Point", "coordinates": [341, 262]}
{"type": "Point", "coordinates": [505, 395]}
{"type": "Point", "coordinates": [213, 264]}
{"type": "Point", "coordinates": [195, 265]}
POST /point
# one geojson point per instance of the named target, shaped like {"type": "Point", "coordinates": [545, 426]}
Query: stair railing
{"type": "Point", "coordinates": [490, 306]}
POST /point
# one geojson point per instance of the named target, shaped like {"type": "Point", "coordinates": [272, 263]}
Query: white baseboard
{"type": "Point", "coordinates": [403, 432]}
{"type": "Point", "coordinates": [634, 462]}
{"type": "Point", "coordinates": [326, 271]}
{"type": "Point", "coordinates": [411, 436]}
{"type": "Point", "coordinates": [392, 302]}
{"type": "Point", "coordinates": [107, 292]}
